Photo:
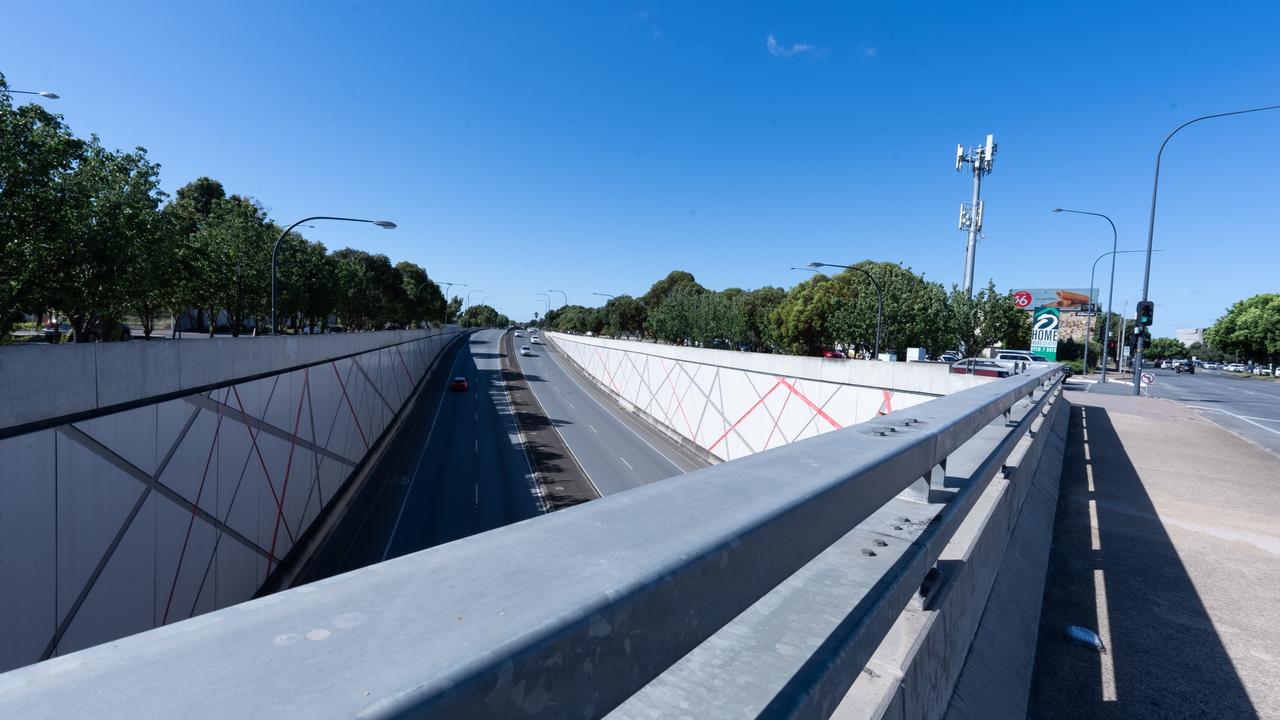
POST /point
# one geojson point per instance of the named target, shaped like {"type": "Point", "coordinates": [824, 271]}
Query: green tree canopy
{"type": "Point", "coordinates": [1250, 330]}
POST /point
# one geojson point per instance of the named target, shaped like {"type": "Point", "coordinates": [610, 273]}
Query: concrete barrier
{"type": "Point", "coordinates": [147, 482]}
{"type": "Point", "coordinates": [732, 404]}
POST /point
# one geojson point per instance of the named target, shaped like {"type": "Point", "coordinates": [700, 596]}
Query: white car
{"type": "Point", "coordinates": [519, 334]}
{"type": "Point", "coordinates": [535, 340]}
{"type": "Point", "coordinates": [524, 350]}
{"type": "Point", "coordinates": [1233, 367]}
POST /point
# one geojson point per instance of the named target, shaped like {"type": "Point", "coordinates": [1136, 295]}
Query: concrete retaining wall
{"type": "Point", "coordinates": [127, 502]}
{"type": "Point", "coordinates": [732, 404]}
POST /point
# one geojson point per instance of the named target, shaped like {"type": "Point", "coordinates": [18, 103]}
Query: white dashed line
{"type": "Point", "coordinates": [593, 428]}
{"type": "Point", "coordinates": [624, 462]}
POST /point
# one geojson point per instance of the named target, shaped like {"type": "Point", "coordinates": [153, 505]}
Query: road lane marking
{"type": "Point", "coordinates": [1241, 418]}
{"type": "Point", "coordinates": [572, 405]}
{"type": "Point", "coordinates": [413, 478]}
{"type": "Point", "coordinates": [1094, 540]}
{"type": "Point", "coordinates": [624, 462]}
{"type": "Point", "coordinates": [593, 428]}
{"type": "Point", "coordinates": [1104, 633]}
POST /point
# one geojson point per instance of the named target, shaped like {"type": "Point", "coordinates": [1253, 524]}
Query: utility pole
{"type": "Point", "coordinates": [980, 160]}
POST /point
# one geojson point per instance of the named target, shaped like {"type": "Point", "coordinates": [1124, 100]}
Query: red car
{"type": "Point", "coordinates": [458, 384]}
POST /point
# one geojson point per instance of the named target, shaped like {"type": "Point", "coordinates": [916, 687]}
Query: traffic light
{"type": "Point", "coordinates": [1146, 313]}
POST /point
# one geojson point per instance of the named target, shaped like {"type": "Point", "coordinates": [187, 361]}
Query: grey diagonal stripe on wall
{"type": "Point", "coordinates": [76, 434]}
{"type": "Point", "coordinates": [253, 422]}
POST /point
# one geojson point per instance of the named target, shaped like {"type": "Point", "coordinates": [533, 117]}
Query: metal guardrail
{"type": "Point", "coordinates": [567, 614]}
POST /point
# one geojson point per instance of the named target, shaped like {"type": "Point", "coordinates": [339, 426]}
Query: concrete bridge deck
{"type": "Point", "coordinates": [1167, 543]}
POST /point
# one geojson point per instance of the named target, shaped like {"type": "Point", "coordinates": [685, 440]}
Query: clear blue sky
{"type": "Point", "coordinates": [596, 146]}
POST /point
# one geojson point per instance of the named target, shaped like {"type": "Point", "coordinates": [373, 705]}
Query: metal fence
{"type": "Point", "coordinates": [625, 603]}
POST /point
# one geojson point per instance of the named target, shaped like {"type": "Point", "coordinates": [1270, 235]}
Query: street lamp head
{"type": "Point", "coordinates": [1057, 209]}
{"type": "Point", "coordinates": [385, 224]}
{"type": "Point", "coordinates": [47, 94]}
{"type": "Point", "coordinates": [815, 265]}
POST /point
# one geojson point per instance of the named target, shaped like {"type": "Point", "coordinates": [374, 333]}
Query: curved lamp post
{"type": "Point", "coordinates": [473, 292]}
{"type": "Point", "coordinates": [1106, 333]}
{"type": "Point", "coordinates": [563, 293]}
{"type": "Point", "coordinates": [879, 299]}
{"type": "Point", "coordinates": [275, 250]}
{"type": "Point", "coordinates": [1151, 226]}
{"type": "Point", "coordinates": [546, 299]}
{"type": "Point", "coordinates": [605, 295]}
{"type": "Point", "coordinates": [448, 287]}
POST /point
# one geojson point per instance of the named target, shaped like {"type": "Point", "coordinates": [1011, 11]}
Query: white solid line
{"type": "Point", "coordinates": [1104, 632]}
{"type": "Point", "coordinates": [624, 462]}
{"type": "Point", "coordinates": [1241, 417]}
{"type": "Point", "coordinates": [414, 477]}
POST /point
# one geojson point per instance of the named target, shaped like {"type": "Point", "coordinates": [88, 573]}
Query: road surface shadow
{"type": "Point", "coordinates": [1164, 656]}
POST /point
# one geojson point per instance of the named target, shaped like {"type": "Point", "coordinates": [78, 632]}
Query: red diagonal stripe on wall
{"type": "Point", "coordinates": [745, 414]}
{"type": "Point", "coordinates": [808, 402]}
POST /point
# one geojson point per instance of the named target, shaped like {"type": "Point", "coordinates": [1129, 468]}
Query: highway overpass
{"type": "Point", "coordinates": [851, 539]}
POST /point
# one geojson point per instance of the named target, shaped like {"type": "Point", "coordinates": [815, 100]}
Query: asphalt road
{"type": "Point", "coordinates": [616, 454]}
{"type": "Point", "coordinates": [1247, 407]}
{"type": "Point", "coordinates": [459, 470]}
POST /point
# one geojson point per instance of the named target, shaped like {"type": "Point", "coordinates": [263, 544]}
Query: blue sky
{"type": "Point", "coordinates": [593, 147]}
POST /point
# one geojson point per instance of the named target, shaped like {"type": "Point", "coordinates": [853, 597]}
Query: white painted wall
{"type": "Point", "coordinates": [89, 497]}
{"type": "Point", "coordinates": [733, 404]}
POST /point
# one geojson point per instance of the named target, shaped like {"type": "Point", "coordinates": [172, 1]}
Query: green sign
{"type": "Point", "coordinates": [1044, 332]}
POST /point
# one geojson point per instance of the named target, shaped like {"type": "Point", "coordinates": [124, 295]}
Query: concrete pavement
{"type": "Point", "coordinates": [459, 469]}
{"type": "Point", "coordinates": [1165, 543]}
{"type": "Point", "coordinates": [616, 454]}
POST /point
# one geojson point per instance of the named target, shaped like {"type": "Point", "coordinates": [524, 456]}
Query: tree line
{"type": "Point", "coordinates": [1248, 332]}
{"type": "Point", "coordinates": [86, 234]}
{"type": "Point", "coordinates": [824, 312]}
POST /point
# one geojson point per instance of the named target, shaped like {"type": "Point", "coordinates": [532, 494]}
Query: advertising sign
{"type": "Point", "coordinates": [1069, 299]}
{"type": "Point", "coordinates": [1044, 332]}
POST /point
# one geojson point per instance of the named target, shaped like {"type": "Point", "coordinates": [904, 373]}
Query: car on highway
{"type": "Point", "coordinates": [524, 350]}
{"type": "Point", "coordinates": [519, 334]}
{"type": "Point", "coordinates": [458, 384]}
{"type": "Point", "coordinates": [1186, 366]}
{"type": "Point", "coordinates": [535, 340]}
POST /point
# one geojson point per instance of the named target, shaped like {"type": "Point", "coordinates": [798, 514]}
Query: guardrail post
{"type": "Point", "coordinates": [919, 491]}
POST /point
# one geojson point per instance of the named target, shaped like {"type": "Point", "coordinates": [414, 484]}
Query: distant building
{"type": "Point", "coordinates": [1190, 336]}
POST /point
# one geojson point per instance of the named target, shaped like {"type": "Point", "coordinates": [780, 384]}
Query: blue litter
{"type": "Point", "coordinates": [1085, 637]}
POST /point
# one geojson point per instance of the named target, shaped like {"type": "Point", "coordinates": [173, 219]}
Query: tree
{"type": "Point", "coordinates": [624, 315]}
{"type": "Point", "coordinates": [664, 288]}
{"type": "Point", "coordinates": [232, 250]}
{"type": "Point", "coordinates": [1164, 349]}
{"type": "Point", "coordinates": [1250, 330]}
{"type": "Point", "coordinates": [37, 151]}
{"type": "Point", "coordinates": [189, 209]}
{"type": "Point", "coordinates": [484, 316]}
{"type": "Point", "coordinates": [987, 319]}
{"type": "Point", "coordinates": [108, 215]}
{"type": "Point", "coordinates": [425, 300]}
{"type": "Point", "coordinates": [800, 322]}
{"type": "Point", "coordinates": [757, 309]}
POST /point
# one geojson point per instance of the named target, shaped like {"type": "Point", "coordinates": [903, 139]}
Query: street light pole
{"type": "Point", "coordinates": [605, 295]}
{"type": "Point", "coordinates": [1151, 225]}
{"type": "Point", "coordinates": [448, 287]}
{"type": "Point", "coordinates": [879, 297]}
{"type": "Point", "coordinates": [42, 93]}
{"type": "Point", "coordinates": [566, 296]}
{"type": "Point", "coordinates": [1106, 332]}
{"type": "Point", "coordinates": [275, 250]}
{"type": "Point", "coordinates": [473, 292]}
{"type": "Point", "coordinates": [546, 299]}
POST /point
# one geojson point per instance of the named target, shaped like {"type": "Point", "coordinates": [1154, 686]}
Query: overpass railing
{"type": "Point", "coordinates": [673, 597]}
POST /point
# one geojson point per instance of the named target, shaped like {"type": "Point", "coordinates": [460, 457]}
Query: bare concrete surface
{"type": "Point", "coordinates": [1167, 543]}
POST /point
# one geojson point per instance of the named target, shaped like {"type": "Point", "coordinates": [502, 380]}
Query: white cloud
{"type": "Point", "coordinates": [870, 53]}
{"type": "Point", "coordinates": [776, 50]}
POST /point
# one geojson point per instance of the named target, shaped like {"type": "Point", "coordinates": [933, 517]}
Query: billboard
{"type": "Point", "coordinates": [1044, 332]}
{"type": "Point", "coordinates": [1067, 299]}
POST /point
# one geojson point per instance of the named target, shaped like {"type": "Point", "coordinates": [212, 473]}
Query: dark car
{"type": "Point", "coordinates": [458, 384]}
{"type": "Point", "coordinates": [1186, 366]}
